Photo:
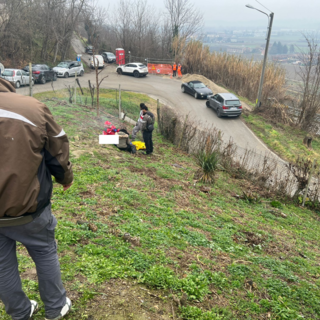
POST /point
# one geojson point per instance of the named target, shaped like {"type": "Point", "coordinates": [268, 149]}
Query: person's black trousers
{"type": "Point", "coordinates": [147, 137]}
{"type": "Point", "coordinates": [174, 73]}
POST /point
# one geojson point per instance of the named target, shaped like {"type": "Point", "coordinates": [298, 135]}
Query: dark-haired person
{"type": "Point", "coordinates": [147, 128]}
{"type": "Point", "coordinates": [138, 125]}
{"type": "Point", "coordinates": [33, 148]}
{"type": "Point", "coordinates": [124, 142]}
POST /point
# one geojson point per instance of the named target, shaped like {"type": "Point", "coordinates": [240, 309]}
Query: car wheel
{"type": "Point", "coordinates": [66, 75]}
{"type": "Point", "coordinates": [219, 113]}
{"type": "Point", "coordinates": [208, 104]}
{"type": "Point", "coordinates": [43, 80]}
{"type": "Point", "coordinates": [81, 73]}
{"type": "Point", "coordinates": [55, 77]}
{"type": "Point", "coordinates": [119, 71]}
{"type": "Point", "coordinates": [18, 84]}
{"type": "Point", "coordinates": [136, 74]}
{"type": "Point", "coordinates": [196, 96]}
{"type": "Point", "coordinates": [183, 90]}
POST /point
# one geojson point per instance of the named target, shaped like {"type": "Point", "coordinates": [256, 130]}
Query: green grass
{"type": "Point", "coordinates": [284, 140]}
{"type": "Point", "coordinates": [109, 100]}
{"type": "Point", "coordinates": [184, 244]}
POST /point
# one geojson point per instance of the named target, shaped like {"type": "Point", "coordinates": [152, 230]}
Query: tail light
{"type": "Point", "coordinates": [240, 107]}
{"type": "Point", "coordinates": [14, 73]}
{"type": "Point", "coordinates": [225, 108]}
{"type": "Point", "coordinates": [36, 72]}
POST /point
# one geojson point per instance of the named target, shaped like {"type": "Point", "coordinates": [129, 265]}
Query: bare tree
{"type": "Point", "coordinates": [185, 19]}
{"type": "Point", "coordinates": [309, 73]}
{"type": "Point", "coordinates": [23, 37]}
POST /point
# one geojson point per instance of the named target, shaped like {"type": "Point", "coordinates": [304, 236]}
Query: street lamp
{"type": "Point", "coordinates": [270, 18]}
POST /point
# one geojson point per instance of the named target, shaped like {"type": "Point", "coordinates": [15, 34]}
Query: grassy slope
{"type": "Point", "coordinates": [232, 259]}
{"type": "Point", "coordinates": [286, 141]}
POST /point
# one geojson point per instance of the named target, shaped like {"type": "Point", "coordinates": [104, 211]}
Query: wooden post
{"type": "Point", "coordinates": [309, 181]}
{"type": "Point", "coordinates": [183, 130]}
{"type": "Point", "coordinates": [158, 114]}
{"type": "Point", "coordinates": [30, 79]}
{"type": "Point", "coordinates": [75, 88]}
{"type": "Point", "coordinates": [119, 101]}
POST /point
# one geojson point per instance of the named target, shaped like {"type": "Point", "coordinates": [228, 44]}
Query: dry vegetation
{"type": "Point", "coordinates": [238, 74]}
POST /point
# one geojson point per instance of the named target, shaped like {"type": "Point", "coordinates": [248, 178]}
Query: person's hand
{"type": "Point", "coordinates": [67, 186]}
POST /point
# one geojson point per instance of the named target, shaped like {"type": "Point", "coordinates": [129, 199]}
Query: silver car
{"type": "Point", "coordinates": [225, 104]}
{"type": "Point", "coordinates": [17, 76]}
{"type": "Point", "coordinates": [68, 69]}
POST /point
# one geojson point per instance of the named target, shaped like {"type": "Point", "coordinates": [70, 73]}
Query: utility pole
{"type": "Point", "coordinates": [30, 79]}
{"type": "Point", "coordinates": [270, 18]}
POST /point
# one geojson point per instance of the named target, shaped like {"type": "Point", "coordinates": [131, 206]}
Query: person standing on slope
{"type": "Point", "coordinates": [147, 128]}
{"type": "Point", "coordinates": [33, 148]}
{"type": "Point", "coordinates": [138, 125]}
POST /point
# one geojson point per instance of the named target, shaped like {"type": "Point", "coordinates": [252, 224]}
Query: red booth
{"type": "Point", "coordinates": [120, 56]}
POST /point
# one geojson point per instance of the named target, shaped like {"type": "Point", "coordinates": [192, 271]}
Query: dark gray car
{"type": "Point", "coordinates": [225, 104]}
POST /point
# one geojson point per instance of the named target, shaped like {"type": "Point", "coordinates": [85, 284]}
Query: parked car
{"type": "Point", "coordinates": [89, 49]}
{"type": "Point", "coordinates": [225, 104]}
{"type": "Point", "coordinates": [98, 60]}
{"type": "Point", "coordinates": [69, 68]}
{"type": "Point", "coordinates": [136, 69]}
{"type": "Point", "coordinates": [42, 73]}
{"type": "Point", "coordinates": [108, 57]}
{"type": "Point", "coordinates": [196, 89]}
{"type": "Point", "coordinates": [17, 76]}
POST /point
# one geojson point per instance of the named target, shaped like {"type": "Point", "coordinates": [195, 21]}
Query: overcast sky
{"type": "Point", "coordinates": [300, 14]}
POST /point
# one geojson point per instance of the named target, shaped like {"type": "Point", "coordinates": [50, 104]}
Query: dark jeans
{"type": "Point", "coordinates": [174, 73]}
{"type": "Point", "coordinates": [147, 137]}
{"type": "Point", "coordinates": [38, 237]}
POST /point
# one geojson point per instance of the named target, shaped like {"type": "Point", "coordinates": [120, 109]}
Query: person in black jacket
{"type": "Point", "coordinates": [147, 128]}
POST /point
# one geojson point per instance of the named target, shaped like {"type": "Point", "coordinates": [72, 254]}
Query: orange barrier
{"type": "Point", "coordinates": [159, 68]}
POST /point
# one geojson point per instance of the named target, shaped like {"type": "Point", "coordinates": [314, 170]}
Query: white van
{"type": "Point", "coordinates": [98, 60]}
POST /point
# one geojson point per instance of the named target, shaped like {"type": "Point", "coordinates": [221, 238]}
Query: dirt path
{"type": "Point", "coordinates": [80, 49]}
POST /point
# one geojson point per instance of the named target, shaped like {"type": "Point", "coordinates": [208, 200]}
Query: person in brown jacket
{"type": "Point", "coordinates": [33, 148]}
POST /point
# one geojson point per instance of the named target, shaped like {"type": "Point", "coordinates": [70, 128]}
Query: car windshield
{"type": "Point", "coordinates": [141, 65]}
{"type": "Point", "coordinates": [232, 102]}
{"type": "Point", "coordinates": [199, 85]}
{"type": "Point", "coordinates": [7, 73]}
{"type": "Point", "coordinates": [111, 55]}
{"type": "Point", "coordinates": [63, 65]}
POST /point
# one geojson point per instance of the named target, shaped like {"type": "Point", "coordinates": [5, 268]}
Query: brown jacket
{"type": "Point", "coordinates": [33, 147]}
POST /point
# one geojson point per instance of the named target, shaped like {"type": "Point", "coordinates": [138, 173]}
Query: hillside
{"type": "Point", "coordinates": [139, 238]}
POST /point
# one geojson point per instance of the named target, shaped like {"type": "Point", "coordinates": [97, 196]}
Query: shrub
{"type": "Point", "coordinates": [208, 162]}
{"type": "Point", "coordinates": [276, 204]}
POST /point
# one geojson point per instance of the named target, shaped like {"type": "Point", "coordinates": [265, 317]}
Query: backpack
{"type": "Point", "coordinates": [151, 126]}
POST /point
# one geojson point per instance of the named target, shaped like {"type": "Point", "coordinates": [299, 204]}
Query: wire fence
{"type": "Point", "coordinates": [146, 60]}
{"type": "Point", "coordinates": [271, 174]}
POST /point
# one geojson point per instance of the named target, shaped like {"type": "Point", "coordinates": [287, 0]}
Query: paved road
{"type": "Point", "coordinates": [169, 92]}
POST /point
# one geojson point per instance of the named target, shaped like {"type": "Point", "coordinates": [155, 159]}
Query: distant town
{"type": "Point", "coordinates": [285, 47]}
